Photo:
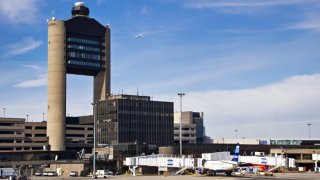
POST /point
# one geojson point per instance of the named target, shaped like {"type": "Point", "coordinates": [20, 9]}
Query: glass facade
{"type": "Point", "coordinates": [128, 119]}
{"type": "Point", "coordinates": [198, 120]}
{"type": "Point", "coordinates": [85, 54]}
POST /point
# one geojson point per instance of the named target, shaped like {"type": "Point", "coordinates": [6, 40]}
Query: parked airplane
{"type": "Point", "coordinates": [226, 166]}
{"type": "Point", "coordinates": [260, 166]}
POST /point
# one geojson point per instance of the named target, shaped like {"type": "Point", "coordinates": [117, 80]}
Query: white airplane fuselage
{"type": "Point", "coordinates": [220, 166]}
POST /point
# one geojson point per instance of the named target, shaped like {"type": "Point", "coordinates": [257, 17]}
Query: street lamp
{"type": "Point", "coordinates": [27, 117]}
{"type": "Point", "coordinates": [136, 143]}
{"type": "Point", "coordinates": [180, 127]}
{"type": "Point", "coordinates": [309, 125]}
{"type": "Point", "coordinates": [236, 131]}
{"type": "Point", "coordinates": [94, 139]}
{"type": "Point", "coordinates": [43, 116]}
{"type": "Point", "coordinates": [4, 112]}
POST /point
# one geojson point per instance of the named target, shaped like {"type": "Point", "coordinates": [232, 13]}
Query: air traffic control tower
{"type": "Point", "coordinates": [81, 46]}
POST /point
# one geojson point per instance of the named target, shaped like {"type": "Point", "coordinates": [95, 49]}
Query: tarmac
{"type": "Point", "coordinates": [297, 176]}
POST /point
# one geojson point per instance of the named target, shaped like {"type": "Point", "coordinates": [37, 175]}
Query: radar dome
{"type": "Point", "coordinates": [80, 9]}
{"type": "Point", "coordinates": [79, 4]}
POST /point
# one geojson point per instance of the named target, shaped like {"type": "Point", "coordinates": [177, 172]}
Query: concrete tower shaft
{"type": "Point", "coordinates": [102, 79]}
{"type": "Point", "coordinates": [56, 85]}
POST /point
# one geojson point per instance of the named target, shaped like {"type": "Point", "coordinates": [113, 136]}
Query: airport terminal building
{"type": "Point", "coordinates": [126, 125]}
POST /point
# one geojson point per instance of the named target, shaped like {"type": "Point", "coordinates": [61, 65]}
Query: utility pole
{"type": "Point", "coordinates": [94, 139]}
{"type": "Point", "coordinates": [236, 131]}
{"type": "Point", "coordinates": [4, 112]}
{"type": "Point", "coordinates": [309, 126]}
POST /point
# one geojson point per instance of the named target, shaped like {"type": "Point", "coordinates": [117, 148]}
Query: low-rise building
{"type": "Point", "coordinates": [18, 135]}
{"type": "Point", "coordinates": [192, 129]}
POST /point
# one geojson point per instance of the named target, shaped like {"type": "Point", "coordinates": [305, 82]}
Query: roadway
{"type": "Point", "coordinates": [286, 176]}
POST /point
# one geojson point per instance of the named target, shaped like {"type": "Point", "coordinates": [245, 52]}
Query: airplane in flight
{"type": "Point", "coordinates": [138, 35]}
{"type": "Point", "coordinates": [226, 166]}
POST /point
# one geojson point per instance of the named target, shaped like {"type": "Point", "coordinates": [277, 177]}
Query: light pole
{"type": "Point", "coordinates": [309, 126]}
{"type": "Point", "coordinates": [4, 112]}
{"type": "Point", "coordinates": [94, 139]}
{"type": "Point", "coordinates": [236, 131]}
{"type": "Point", "coordinates": [27, 117]}
{"type": "Point", "coordinates": [136, 143]}
{"type": "Point", "coordinates": [180, 127]}
{"type": "Point", "coordinates": [43, 116]}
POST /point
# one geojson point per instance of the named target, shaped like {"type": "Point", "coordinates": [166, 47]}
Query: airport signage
{"type": "Point", "coordinates": [285, 142]}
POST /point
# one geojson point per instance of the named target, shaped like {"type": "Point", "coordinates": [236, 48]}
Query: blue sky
{"type": "Point", "coordinates": [250, 65]}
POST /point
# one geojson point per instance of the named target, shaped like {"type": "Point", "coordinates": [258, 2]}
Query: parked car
{"type": "Point", "coordinates": [84, 173]}
{"type": "Point", "coordinates": [109, 172]}
{"type": "Point", "coordinates": [38, 174]}
{"type": "Point", "coordinates": [73, 173]}
{"type": "Point", "coordinates": [52, 173]}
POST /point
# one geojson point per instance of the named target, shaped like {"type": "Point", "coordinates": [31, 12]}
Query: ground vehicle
{"type": "Point", "coordinates": [6, 172]}
{"type": "Point", "coordinates": [73, 173]}
{"type": "Point", "coordinates": [102, 173]}
{"type": "Point", "coordinates": [84, 172]}
{"type": "Point", "coordinates": [52, 173]}
{"type": "Point", "coordinates": [38, 174]}
{"type": "Point", "coordinates": [109, 172]}
{"type": "Point", "coordinates": [239, 171]}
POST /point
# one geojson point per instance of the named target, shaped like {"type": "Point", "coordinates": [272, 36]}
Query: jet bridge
{"type": "Point", "coordinates": [163, 162]}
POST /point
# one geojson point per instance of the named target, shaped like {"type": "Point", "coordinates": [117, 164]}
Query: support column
{"type": "Point", "coordinates": [103, 78]}
{"type": "Point", "coordinates": [56, 85]}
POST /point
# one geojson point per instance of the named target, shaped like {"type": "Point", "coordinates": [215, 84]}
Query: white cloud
{"type": "Point", "coordinates": [19, 11]}
{"type": "Point", "coordinates": [22, 47]}
{"type": "Point", "coordinates": [310, 22]}
{"type": "Point", "coordinates": [240, 3]}
{"type": "Point", "coordinates": [41, 81]}
{"type": "Point", "coordinates": [274, 110]}
{"type": "Point", "coordinates": [100, 2]}
{"type": "Point", "coordinates": [35, 67]}
{"type": "Point", "coordinates": [215, 74]}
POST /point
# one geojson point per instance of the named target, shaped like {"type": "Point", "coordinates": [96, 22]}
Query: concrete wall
{"type": "Point", "coordinates": [187, 117]}
{"type": "Point", "coordinates": [66, 168]}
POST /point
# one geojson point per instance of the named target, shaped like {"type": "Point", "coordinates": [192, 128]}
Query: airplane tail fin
{"type": "Point", "coordinates": [236, 153]}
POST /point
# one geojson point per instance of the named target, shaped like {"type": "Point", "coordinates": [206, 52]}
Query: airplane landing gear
{"type": "Point", "coordinates": [211, 173]}
{"type": "Point", "coordinates": [228, 173]}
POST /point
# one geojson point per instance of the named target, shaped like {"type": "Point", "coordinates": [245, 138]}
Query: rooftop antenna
{"type": "Point", "coordinates": [108, 22]}
{"type": "Point", "coordinates": [51, 16]}
{"type": "Point", "coordinates": [53, 13]}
